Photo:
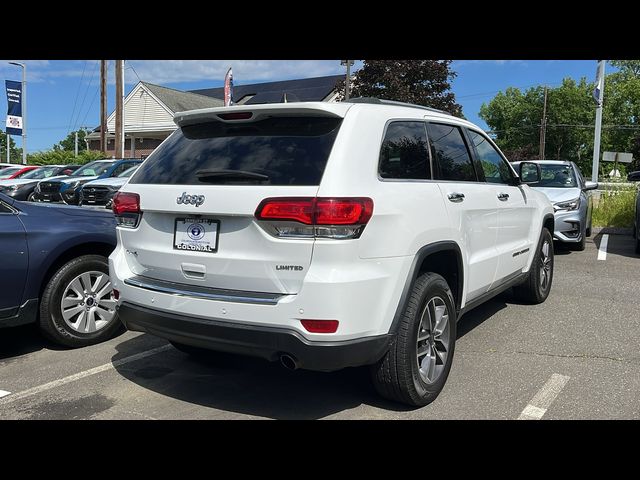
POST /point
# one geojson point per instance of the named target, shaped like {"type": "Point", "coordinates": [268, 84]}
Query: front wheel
{"type": "Point", "coordinates": [417, 365]}
{"type": "Point", "coordinates": [78, 307]}
{"type": "Point", "coordinates": [535, 289]}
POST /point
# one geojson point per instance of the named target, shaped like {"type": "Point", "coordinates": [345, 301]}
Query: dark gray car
{"type": "Point", "coordinates": [563, 183]}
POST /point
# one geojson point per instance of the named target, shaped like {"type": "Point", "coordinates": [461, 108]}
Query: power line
{"type": "Point", "coordinates": [85, 94]}
{"type": "Point", "coordinates": [78, 92]}
{"type": "Point", "coordinates": [91, 105]}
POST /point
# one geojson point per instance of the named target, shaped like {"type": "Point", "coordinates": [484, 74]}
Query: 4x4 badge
{"type": "Point", "coordinates": [196, 200]}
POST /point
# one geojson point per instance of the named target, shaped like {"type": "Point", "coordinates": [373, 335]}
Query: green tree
{"type": "Point", "coordinates": [15, 154]}
{"type": "Point", "coordinates": [515, 117]}
{"type": "Point", "coordinates": [63, 157]}
{"type": "Point", "coordinates": [422, 82]}
{"type": "Point", "coordinates": [627, 67]}
{"type": "Point", "coordinates": [68, 144]}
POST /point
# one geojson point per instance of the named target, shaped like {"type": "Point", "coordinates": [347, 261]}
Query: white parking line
{"type": "Point", "coordinates": [87, 373]}
{"type": "Point", "coordinates": [544, 398]}
{"type": "Point", "coordinates": [602, 249]}
{"type": "Point", "coordinates": [4, 393]}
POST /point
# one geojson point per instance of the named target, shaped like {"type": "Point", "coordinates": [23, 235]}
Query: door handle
{"type": "Point", "coordinates": [456, 197]}
{"type": "Point", "coordinates": [503, 197]}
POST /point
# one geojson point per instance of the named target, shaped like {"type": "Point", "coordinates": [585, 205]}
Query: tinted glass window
{"type": "Point", "coordinates": [404, 151]}
{"type": "Point", "coordinates": [495, 168]}
{"type": "Point", "coordinates": [450, 155]}
{"type": "Point", "coordinates": [120, 169]}
{"type": "Point", "coordinates": [273, 151]}
{"type": "Point", "coordinates": [559, 176]}
{"type": "Point", "coordinates": [39, 173]}
{"type": "Point", "coordinates": [93, 169]}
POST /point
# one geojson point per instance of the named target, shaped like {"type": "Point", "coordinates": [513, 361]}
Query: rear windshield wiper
{"type": "Point", "coordinates": [230, 174]}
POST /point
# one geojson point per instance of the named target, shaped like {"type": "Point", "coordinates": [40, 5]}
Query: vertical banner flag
{"type": "Point", "coordinates": [14, 107]}
{"type": "Point", "coordinates": [228, 88]}
{"type": "Point", "coordinates": [597, 92]}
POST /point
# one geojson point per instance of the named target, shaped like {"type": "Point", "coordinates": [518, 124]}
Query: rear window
{"type": "Point", "coordinates": [274, 151]}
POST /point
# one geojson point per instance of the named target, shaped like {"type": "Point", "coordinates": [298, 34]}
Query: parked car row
{"type": "Point", "coordinates": [64, 183]}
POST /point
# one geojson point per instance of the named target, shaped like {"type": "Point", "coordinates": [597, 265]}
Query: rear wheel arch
{"type": "Point", "coordinates": [61, 258]}
{"type": "Point", "coordinates": [549, 222]}
{"type": "Point", "coordinates": [443, 258]}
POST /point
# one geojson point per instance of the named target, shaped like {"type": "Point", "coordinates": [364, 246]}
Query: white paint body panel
{"type": "Point", "coordinates": [358, 282]}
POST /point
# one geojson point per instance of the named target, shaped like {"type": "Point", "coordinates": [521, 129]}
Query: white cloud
{"type": "Point", "coordinates": [244, 71]}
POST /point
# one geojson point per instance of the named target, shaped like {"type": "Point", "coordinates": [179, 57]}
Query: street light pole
{"type": "Point", "coordinates": [24, 111]}
{"type": "Point", "coordinates": [347, 85]}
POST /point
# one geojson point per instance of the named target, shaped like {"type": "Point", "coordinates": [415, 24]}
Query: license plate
{"type": "Point", "coordinates": [196, 234]}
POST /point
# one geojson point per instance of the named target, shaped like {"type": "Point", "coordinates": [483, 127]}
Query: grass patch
{"type": "Point", "coordinates": [615, 208]}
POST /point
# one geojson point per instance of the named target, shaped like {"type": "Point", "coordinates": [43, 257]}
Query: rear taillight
{"type": "Point", "coordinates": [320, 326]}
{"type": "Point", "coordinates": [126, 207]}
{"type": "Point", "coordinates": [315, 217]}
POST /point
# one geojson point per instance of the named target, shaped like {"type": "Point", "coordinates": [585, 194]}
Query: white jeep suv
{"type": "Point", "coordinates": [327, 235]}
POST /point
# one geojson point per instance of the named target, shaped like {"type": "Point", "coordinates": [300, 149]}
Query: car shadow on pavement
{"type": "Point", "coordinates": [250, 386]}
{"type": "Point", "coordinates": [623, 245]}
{"type": "Point", "coordinates": [18, 341]}
{"type": "Point", "coordinates": [483, 312]}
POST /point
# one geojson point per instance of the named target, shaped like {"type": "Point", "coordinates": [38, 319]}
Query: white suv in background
{"type": "Point", "coordinates": [327, 235]}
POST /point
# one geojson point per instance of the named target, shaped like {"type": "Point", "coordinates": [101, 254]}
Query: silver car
{"type": "Point", "coordinates": [566, 188]}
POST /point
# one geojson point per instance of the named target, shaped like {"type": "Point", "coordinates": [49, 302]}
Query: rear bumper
{"type": "Point", "coordinates": [254, 340]}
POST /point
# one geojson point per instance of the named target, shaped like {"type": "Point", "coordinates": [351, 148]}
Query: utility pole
{"type": "Point", "coordinates": [543, 126]}
{"type": "Point", "coordinates": [347, 84]}
{"type": "Point", "coordinates": [103, 106]}
{"type": "Point", "coordinates": [76, 144]}
{"type": "Point", "coordinates": [118, 146]}
{"type": "Point", "coordinates": [123, 112]}
{"type": "Point", "coordinates": [598, 95]}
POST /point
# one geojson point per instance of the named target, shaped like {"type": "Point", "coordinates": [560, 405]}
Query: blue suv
{"type": "Point", "coordinates": [55, 271]}
{"type": "Point", "coordinates": [66, 189]}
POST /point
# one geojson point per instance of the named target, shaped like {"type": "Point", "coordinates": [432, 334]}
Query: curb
{"type": "Point", "coordinates": [611, 231]}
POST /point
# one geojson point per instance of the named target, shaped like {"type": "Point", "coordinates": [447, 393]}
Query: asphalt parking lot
{"type": "Point", "coordinates": [574, 357]}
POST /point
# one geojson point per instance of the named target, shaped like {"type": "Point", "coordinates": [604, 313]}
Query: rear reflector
{"type": "Point", "coordinates": [320, 326]}
{"type": "Point", "coordinates": [236, 116]}
{"type": "Point", "coordinates": [116, 294]}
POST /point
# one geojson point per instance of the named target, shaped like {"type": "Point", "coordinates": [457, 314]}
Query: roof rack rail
{"type": "Point", "coordinates": [381, 101]}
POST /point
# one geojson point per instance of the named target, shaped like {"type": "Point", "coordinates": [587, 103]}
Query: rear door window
{"type": "Point", "coordinates": [450, 154]}
{"type": "Point", "coordinates": [273, 151]}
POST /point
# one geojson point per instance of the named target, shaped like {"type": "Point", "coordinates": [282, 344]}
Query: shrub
{"type": "Point", "coordinates": [63, 157]}
{"type": "Point", "coordinates": [615, 208]}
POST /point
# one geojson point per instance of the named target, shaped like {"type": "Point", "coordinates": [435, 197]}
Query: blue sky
{"type": "Point", "coordinates": [63, 95]}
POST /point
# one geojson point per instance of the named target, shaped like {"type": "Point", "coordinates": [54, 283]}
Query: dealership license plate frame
{"type": "Point", "coordinates": [207, 221]}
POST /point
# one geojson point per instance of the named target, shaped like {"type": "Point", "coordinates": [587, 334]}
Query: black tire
{"type": "Point", "coordinates": [397, 376]}
{"type": "Point", "coordinates": [31, 198]}
{"type": "Point", "coordinates": [588, 231]}
{"type": "Point", "coordinates": [533, 290]}
{"type": "Point", "coordinates": [52, 323]}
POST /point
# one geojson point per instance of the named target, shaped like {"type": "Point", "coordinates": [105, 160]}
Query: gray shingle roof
{"type": "Point", "coordinates": [305, 89]}
{"type": "Point", "coordinates": [178, 101]}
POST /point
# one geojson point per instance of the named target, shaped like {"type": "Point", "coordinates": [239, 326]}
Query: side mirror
{"type": "Point", "coordinates": [530, 173]}
{"type": "Point", "coordinates": [590, 185]}
{"type": "Point", "coordinates": [634, 176]}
